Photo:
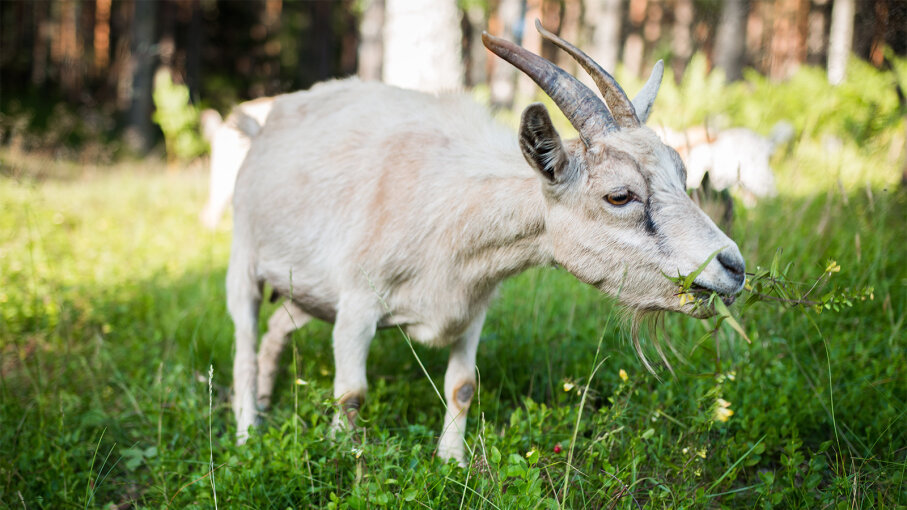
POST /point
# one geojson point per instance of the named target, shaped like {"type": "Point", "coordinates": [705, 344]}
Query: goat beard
{"type": "Point", "coordinates": [650, 324]}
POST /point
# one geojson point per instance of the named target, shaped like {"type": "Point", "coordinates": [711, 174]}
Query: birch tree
{"type": "Point", "coordinates": [840, 39]}
{"type": "Point", "coordinates": [422, 41]}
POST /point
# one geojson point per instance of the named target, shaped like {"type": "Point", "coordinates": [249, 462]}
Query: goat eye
{"type": "Point", "coordinates": [619, 198]}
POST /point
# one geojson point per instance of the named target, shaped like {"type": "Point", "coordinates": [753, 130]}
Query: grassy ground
{"type": "Point", "coordinates": [112, 315]}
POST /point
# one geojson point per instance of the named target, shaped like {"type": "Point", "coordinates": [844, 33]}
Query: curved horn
{"type": "Point", "coordinates": [621, 108]}
{"type": "Point", "coordinates": [585, 111]}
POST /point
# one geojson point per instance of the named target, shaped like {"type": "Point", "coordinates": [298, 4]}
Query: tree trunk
{"type": "Point", "coordinates": [101, 35]}
{"type": "Point", "coordinates": [476, 57]}
{"type": "Point", "coordinates": [317, 65]}
{"type": "Point", "coordinates": [532, 41]}
{"type": "Point", "coordinates": [730, 42]}
{"type": "Point", "coordinates": [139, 133]}
{"type": "Point", "coordinates": [604, 19]}
{"type": "Point", "coordinates": [682, 36]}
{"type": "Point", "coordinates": [635, 47]}
{"type": "Point", "coordinates": [349, 40]}
{"type": "Point", "coordinates": [70, 52]}
{"type": "Point", "coordinates": [194, 50]}
{"type": "Point", "coordinates": [503, 75]}
{"type": "Point", "coordinates": [39, 50]}
{"type": "Point", "coordinates": [422, 45]}
{"type": "Point", "coordinates": [371, 41]}
{"type": "Point", "coordinates": [788, 38]}
{"type": "Point", "coordinates": [817, 38]}
{"type": "Point", "coordinates": [566, 17]}
{"type": "Point", "coordinates": [877, 50]}
{"type": "Point", "coordinates": [840, 39]}
{"type": "Point", "coordinates": [269, 50]}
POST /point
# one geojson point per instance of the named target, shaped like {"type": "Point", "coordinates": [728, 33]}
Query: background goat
{"type": "Point", "coordinates": [229, 140]}
{"type": "Point", "coordinates": [734, 158]}
{"type": "Point", "coordinates": [370, 206]}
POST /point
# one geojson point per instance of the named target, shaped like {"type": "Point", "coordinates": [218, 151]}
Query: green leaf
{"type": "Point", "coordinates": [532, 457]}
{"type": "Point", "coordinates": [726, 315]}
{"type": "Point", "coordinates": [494, 455]}
{"type": "Point", "coordinates": [688, 280]}
{"type": "Point", "coordinates": [775, 261]}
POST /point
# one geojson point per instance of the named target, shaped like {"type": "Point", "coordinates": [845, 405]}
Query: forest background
{"type": "Point", "coordinates": [77, 77]}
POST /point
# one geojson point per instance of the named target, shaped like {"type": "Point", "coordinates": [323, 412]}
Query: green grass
{"type": "Point", "coordinates": [112, 314]}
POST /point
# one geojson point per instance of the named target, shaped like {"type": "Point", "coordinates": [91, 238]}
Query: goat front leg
{"type": "Point", "coordinates": [243, 302]}
{"type": "Point", "coordinates": [285, 320]}
{"type": "Point", "coordinates": [459, 388]}
{"type": "Point", "coordinates": [354, 329]}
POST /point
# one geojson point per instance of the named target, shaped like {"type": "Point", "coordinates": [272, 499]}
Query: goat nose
{"type": "Point", "coordinates": [733, 264]}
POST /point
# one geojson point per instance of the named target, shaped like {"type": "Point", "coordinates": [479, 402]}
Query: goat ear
{"type": "Point", "coordinates": [643, 101]}
{"type": "Point", "coordinates": [541, 145]}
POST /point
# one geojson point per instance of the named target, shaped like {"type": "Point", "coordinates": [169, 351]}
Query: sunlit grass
{"type": "Point", "coordinates": [113, 311]}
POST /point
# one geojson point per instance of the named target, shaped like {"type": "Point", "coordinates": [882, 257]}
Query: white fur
{"type": "Point", "coordinates": [736, 158]}
{"type": "Point", "coordinates": [370, 206]}
{"type": "Point", "coordinates": [229, 140]}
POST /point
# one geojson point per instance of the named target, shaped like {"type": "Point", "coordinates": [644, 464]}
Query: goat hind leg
{"type": "Point", "coordinates": [243, 302]}
{"type": "Point", "coordinates": [287, 319]}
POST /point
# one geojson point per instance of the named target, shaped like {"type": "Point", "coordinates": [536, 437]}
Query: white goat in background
{"type": "Point", "coordinates": [229, 140]}
{"type": "Point", "coordinates": [735, 158]}
{"type": "Point", "coordinates": [370, 206]}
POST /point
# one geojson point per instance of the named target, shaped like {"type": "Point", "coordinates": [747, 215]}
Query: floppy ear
{"type": "Point", "coordinates": [643, 101]}
{"type": "Point", "coordinates": [541, 145]}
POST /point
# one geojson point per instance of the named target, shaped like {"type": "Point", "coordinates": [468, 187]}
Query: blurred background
{"type": "Point", "coordinates": [78, 77]}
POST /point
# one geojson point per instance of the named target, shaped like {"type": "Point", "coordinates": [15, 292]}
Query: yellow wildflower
{"type": "Point", "coordinates": [722, 411]}
{"type": "Point", "coordinates": [568, 386]}
{"type": "Point", "coordinates": [300, 382]}
{"type": "Point", "coordinates": [623, 375]}
{"type": "Point", "coordinates": [686, 297]}
{"type": "Point", "coordinates": [833, 267]}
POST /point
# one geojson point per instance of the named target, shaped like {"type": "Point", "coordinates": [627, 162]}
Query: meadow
{"type": "Point", "coordinates": [116, 353]}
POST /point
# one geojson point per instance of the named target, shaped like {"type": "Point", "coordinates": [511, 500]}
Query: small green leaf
{"type": "Point", "coordinates": [775, 261]}
{"type": "Point", "coordinates": [726, 315]}
{"type": "Point", "coordinates": [688, 280]}
{"type": "Point", "coordinates": [494, 455]}
{"type": "Point", "coordinates": [532, 457]}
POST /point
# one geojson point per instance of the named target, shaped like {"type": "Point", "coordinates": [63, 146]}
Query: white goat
{"type": "Point", "coordinates": [370, 206]}
{"type": "Point", "coordinates": [735, 158]}
{"type": "Point", "coordinates": [229, 140]}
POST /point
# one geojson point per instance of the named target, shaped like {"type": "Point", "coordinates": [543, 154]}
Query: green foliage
{"type": "Point", "coordinates": [112, 312]}
{"type": "Point", "coordinates": [863, 108]}
{"type": "Point", "coordinates": [178, 118]}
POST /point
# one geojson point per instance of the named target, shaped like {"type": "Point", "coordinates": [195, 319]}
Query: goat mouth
{"type": "Point", "coordinates": [702, 292]}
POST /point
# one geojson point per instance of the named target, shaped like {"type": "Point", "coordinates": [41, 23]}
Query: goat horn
{"type": "Point", "coordinates": [585, 111]}
{"type": "Point", "coordinates": [621, 108]}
